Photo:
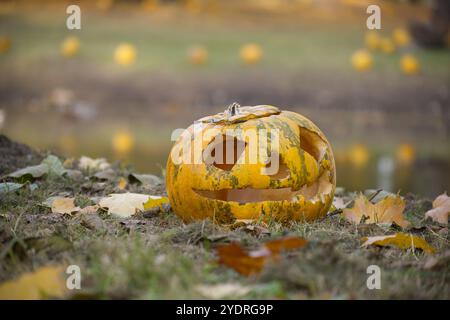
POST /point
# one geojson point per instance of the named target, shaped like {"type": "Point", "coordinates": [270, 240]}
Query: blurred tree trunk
{"type": "Point", "coordinates": [433, 34]}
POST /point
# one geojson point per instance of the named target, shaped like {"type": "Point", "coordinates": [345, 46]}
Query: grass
{"type": "Point", "coordinates": [162, 258]}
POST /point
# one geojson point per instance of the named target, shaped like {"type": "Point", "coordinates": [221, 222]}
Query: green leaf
{"type": "Point", "coordinates": [28, 173]}
{"type": "Point", "coordinates": [50, 165]}
{"type": "Point", "coordinates": [55, 165]}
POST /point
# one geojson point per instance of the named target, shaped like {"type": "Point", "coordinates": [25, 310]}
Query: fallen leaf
{"type": "Point", "coordinates": [223, 290]}
{"type": "Point", "coordinates": [124, 204]}
{"type": "Point", "coordinates": [92, 221]}
{"type": "Point", "coordinates": [441, 209]}
{"type": "Point", "coordinates": [252, 262]}
{"type": "Point", "coordinates": [74, 174]}
{"type": "Point", "coordinates": [30, 172]}
{"type": "Point", "coordinates": [54, 165]}
{"type": "Point", "coordinates": [6, 187]}
{"type": "Point", "coordinates": [88, 164]}
{"type": "Point", "coordinates": [377, 195]}
{"type": "Point", "coordinates": [388, 210]}
{"type": "Point", "coordinates": [401, 240]}
{"type": "Point", "coordinates": [89, 209]}
{"type": "Point", "coordinates": [155, 201]}
{"type": "Point", "coordinates": [233, 256]}
{"type": "Point", "coordinates": [64, 206]}
{"type": "Point", "coordinates": [50, 165]}
{"type": "Point", "coordinates": [256, 230]}
{"type": "Point", "coordinates": [122, 183]}
{"type": "Point", "coordinates": [107, 174]}
{"type": "Point", "coordinates": [145, 179]}
{"type": "Point", "coordinates": [338, 203]}
{"type": "Point", "coordinates": [288, 243]}
{"type": "Point", "coordinates": [46, 282]}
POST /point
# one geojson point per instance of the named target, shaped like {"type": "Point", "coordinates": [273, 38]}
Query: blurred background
{"type": "Point", "coordinates": [139, 69]}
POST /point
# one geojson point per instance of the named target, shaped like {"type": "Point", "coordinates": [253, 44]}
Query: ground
{"type": "Point", "coordinates": [155, 255]}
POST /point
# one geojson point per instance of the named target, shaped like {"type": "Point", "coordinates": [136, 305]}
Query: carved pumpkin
{"type": "Point", "coordinates": [239, 187]}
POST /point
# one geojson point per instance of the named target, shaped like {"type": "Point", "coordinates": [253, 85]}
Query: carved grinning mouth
{"type": "Point", "coordinates": [314, 192]}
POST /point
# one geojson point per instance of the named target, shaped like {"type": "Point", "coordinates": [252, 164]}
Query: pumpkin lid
{"type": "Point", "coordinates": [235, 113]}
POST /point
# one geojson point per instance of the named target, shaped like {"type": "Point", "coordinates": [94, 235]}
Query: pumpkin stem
{"type": "Point", "coordinates": [233, 109]}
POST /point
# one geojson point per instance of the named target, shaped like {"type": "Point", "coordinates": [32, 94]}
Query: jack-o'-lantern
{"type": "Point", "coordinates": [253, 162]}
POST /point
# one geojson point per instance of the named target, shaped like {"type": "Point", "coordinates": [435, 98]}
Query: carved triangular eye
{"type": "Point", "coordinates": [312, 143]}
{"type": "Point", "coordinates": [224, 153]}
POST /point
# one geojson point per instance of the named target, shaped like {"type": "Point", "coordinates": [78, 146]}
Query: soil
{"type": "Point", "coordinates": [16, 155]}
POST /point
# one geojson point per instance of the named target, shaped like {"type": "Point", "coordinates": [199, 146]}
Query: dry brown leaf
{"type": "Point", "coordinates": [388, 210]}
{"type": "Point", "coordinates": [64, 206]}
{"type": "Point", "coordinates": [233, 256]}
{"type": "Point", "coordinates": [400, 240]}
{"type": "Point", "coordinates": [441, 209]}
{"type": "Point", "coordinates": [46, 282]}
{"type": "Point", "coordinates": [248, 263]}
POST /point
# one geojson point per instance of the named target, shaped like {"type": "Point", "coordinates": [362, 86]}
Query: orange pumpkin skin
{"type": "Point", "coordinates": [302, 189]}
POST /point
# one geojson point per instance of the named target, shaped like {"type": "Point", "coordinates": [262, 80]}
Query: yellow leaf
{"type": "Point", "coordinates": [125, 54]}
{"type": "Point", "coordinates": [122, 142]}
{"type": "Point", "coordinates": [401, 240]}
{"type": "Point", "coordinates": [362, 60]}
{"type": "Point", "coordinates": [64, 206]}
{"type": "Point", "coordinates": [441, 209]}
{"type": "Point", "coordinates": [251, 53]}
{"type": "Point", "coordinates": [388, 210]}
{"type": "Point", "coordinates": [198, 55]}
{"type": "Point", "coordinates": [122, 183]}
{"type": "Point", "coordinates": [401, 37]}
{"type": "Point", "coordinates": [409, 64]}
{"type": "Point", "coordinates": [70, 46]}
{"type": "Point", "coordinates": [155, 201]}
{"type": "Point", "coordinates": [46, 282]}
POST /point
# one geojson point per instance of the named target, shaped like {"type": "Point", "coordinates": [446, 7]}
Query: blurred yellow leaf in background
{"type": "Point", "coordinates": [198, 55]}
{"type": "Point", "coordinates": [372, 39]}
{"type": "Point", "coordinates": [125, 54]}
{"type": "Point", "coordinates": [5, 44]}
{"type": "Point", "coordinates": [409, 64]}
{"type": "Point", "coordinates": [405, 154]}
{"type": "Point", "coordinates": [122, 142]}
{"type": "Point", "coordinates": [70, 46]}
{"type": "Point", "coordinates": [362, 60]}
{"type": "Point", "coordinates": [401, 37]}
{"type": "Point", "coordinates": [358, 155]}
{"type": "Point", "coordinates": [251, 53]}
{"type": "Point", "coordinates": [387, 46]}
